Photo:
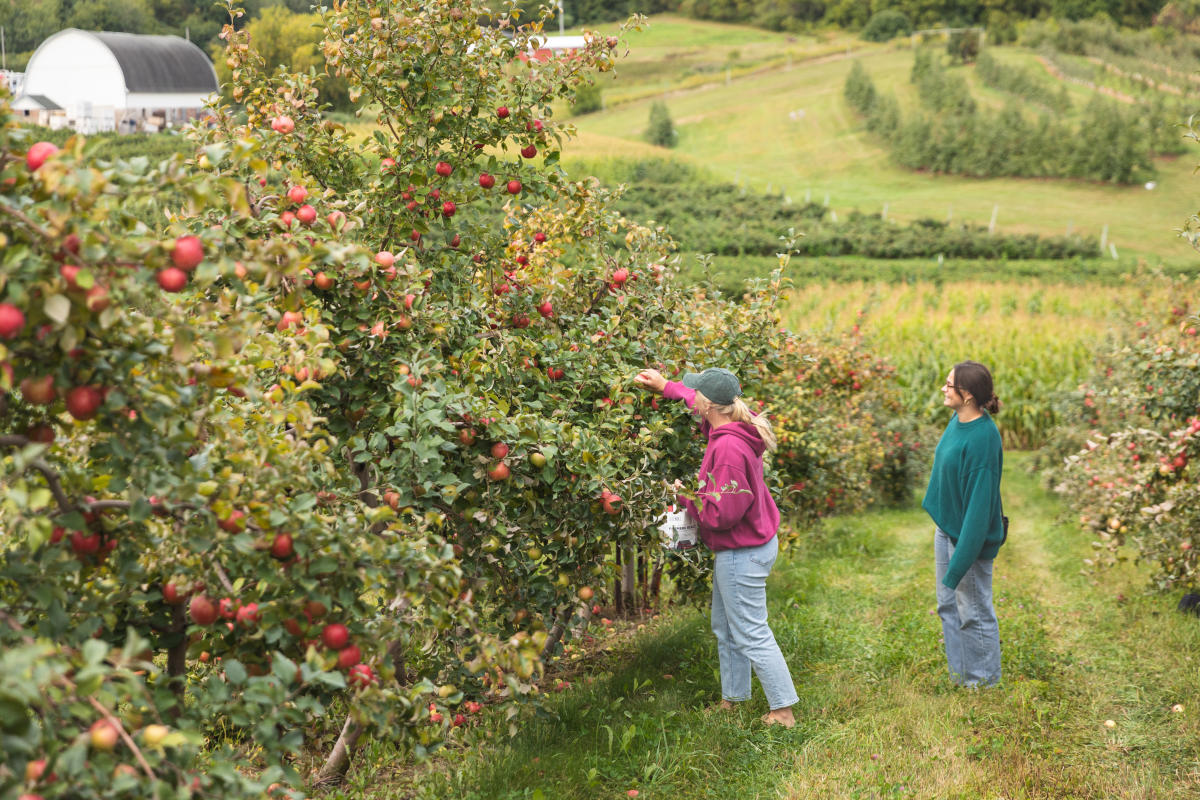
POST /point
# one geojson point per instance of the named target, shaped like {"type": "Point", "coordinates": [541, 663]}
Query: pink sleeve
{"type": "Point", "coordinates": [674, 390]}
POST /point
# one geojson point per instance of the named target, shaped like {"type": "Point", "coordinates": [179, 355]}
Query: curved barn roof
{"type": "Point", "coordinates": [156, 64]}
{"type": "Point", "coordinates": [160, 63]}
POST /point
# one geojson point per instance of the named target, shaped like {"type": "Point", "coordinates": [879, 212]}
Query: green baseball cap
{"type": "Point", "coordinates": [718, 385]}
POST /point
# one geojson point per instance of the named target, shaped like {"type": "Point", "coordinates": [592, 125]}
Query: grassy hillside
{"type": "Point", "coordinates": [790, 128]}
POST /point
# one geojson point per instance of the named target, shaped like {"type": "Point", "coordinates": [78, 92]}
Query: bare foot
{"type": "Point", "coordinates": [780, 716]}
{"type": "Point", "coordinates": [722, 706]}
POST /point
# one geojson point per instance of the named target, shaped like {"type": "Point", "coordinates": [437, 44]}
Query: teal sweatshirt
{"type": "Point", "coordinates": [964, 492]}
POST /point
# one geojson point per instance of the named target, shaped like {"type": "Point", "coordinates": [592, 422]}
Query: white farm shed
{"type": "Point", "coordinates": [120, 81]}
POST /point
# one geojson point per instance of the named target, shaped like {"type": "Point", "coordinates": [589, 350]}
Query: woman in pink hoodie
{"type": "Point", "coordinates": [738, 521]}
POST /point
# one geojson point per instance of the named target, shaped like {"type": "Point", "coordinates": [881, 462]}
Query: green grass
{"type": "Point", "coordinates": [743, 132]}
{"type": "Point", "coordinates": [853, 611]}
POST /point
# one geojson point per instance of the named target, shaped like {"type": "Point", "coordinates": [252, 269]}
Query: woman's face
{"type": "Point", "coordinates": [952, 398]}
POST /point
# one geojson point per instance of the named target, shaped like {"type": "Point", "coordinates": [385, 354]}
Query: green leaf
{"type": "Point", "coordinates": [94, 651]}
{"type": "Point", "coordinates": [303, 502]}
{"type": "Point", "coordinates": [14, 715]}
{"type": "Point", "coordinates": [57, 308]}
{"type": "Point", "coordinates": [235, 672]}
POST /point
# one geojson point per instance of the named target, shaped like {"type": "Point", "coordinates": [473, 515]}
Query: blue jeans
{"type": "Point", "coordinates": [968, 619]}
{"type": "Point", "coordinates": [739, 620]}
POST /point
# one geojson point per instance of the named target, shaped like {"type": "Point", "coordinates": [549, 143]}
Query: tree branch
{"type": "Point", "coordinates": [116, 723]}
{"type": "Point", "coordinates": [26, 221]}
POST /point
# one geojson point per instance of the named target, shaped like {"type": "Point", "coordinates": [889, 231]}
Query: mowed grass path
{"type": "Point", "coordinates": [853, 611]}
{"type": "Point", "coordinates": [791, 130]}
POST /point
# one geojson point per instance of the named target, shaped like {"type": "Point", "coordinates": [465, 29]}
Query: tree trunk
{"type": "Point", "coordinates": [556, 633]}
{"type": "Point", "coordinates": [656, 581]}
{"type": "Point", "coordinates": [177, 660]}
{"type": "Point", "coordinates": [629, 580]}
{"type": "Point", "coordinates": [335, 767]}
{"type": "Point", "coordinates": [618, 595]}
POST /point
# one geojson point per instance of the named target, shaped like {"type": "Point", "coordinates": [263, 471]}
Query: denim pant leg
{"type": "Point", "coordinates": [744, 592]}
{"type": "Point", "coordinates": [969, 625]}
{"type": "Point", "coordinates": [735, 667]}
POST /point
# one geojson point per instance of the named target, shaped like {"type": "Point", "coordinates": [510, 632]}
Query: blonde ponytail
{"type": "Point", "coordinates": [738, 411]}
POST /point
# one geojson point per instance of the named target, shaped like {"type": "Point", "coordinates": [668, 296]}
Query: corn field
{"type": "Point", "coordinates": [1038, 339]}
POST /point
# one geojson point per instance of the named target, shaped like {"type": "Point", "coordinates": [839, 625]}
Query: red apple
{"type": "Point", "coordinates": [42, 434]}
{"type": "Point", "coordinates": [69, 273]}
{"type": "Point", "coordinates": [448, 208]}
{"type": "Point", "coordinates": [349, 656]}
{"type": "Point", "coordinates": [248, 615]}
{"type": "Point", "coordinates": [297, 194]}
{"type": "Point", "coordinates": [529, 151]}
{"type": "Point", "coordinates": [83, 402]}
{"type": "Point", "coordinates": [611, 503]}
{"type": "Point", "coordinates": [539, 237]}
{"type": "Point", "coordinates": [499, 450]}
{"type": "Point", "coordinates": [187, 253]}
{"type": "Point", "coordinates": [202, 611]}
{"type": "Point", "coordinates": [38, 153]}
{"type": "Point", "coordinates": [227, 608]}
{"type": "Point", "coordinates": [502, 112]}
{"type": "Point", "coordinates": [12, 320]}
{"type": "Point", "coordinates": [172, 279]}
{"type": "Point", "coordinates": [97, 299]}
{"type": "Point", "coordinates": [172, 596]}
{"type": "Point", "coordinates": [104, 735]}
{"type": "Point", "coordinates": [306, 214]}
{"type": "Point", "coordinates": [384, 259]}
{"type": "Point", "coordinates": [514, 187]}
{"type": "Point", "coordinates": [361, 675]}
{"type": "Point", "coordinates": [233, 523]}
{"type": "Point", "coordinates": [282, 546]}
{"type": "Point", "coordinates": [323, 281]}
{"type": "Point", "coordinates": [520, 320]}
{"type": "Point", "coordinates": [39, 391]}
{"type": "Point", "coordinates": [84, 543]}
{"type": "Point", "coordinates": [499, 472]}
{"type": "Point", "coordinates": [546, 309]}
{"type": "Point", "coordinates": [335, 636]}
{"type": "Point", "coordinates": [620, 275]}
{"type": "Point", "coordinates": [487, 181]}
{"type": "Point", "coordinates": [336, 219]}
{"type": "Point", "coordinates": [283, 124]}
{"type": "Point", "coordinates": [444, 169]}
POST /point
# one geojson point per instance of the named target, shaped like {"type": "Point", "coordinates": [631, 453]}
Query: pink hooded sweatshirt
{"type": "Point", "coordinates": [732, 517]}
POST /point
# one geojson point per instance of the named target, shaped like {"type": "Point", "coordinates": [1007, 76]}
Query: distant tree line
{"type": "Point", "coordinates": [705, 215]}
{"type": "Point", "coordinates": [949, 133]}
{"type": "Point", "coordinates": [796, 15]}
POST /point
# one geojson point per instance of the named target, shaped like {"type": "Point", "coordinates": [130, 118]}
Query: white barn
{"type": "Point", "coordinates": [93, 81]}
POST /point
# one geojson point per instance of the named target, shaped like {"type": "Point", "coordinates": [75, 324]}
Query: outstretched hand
{"type": "Point", "coordinates": [650, 379]}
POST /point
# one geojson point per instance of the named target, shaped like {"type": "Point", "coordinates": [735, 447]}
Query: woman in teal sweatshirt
{"type": "Point", "coordinates": [964, 500]}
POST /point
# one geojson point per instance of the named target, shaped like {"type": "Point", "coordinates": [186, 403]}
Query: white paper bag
{"type": "Point", "coordinates": [679, 529]}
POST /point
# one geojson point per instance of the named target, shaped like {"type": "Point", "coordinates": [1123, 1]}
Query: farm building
{"type": "Point", "coordinates": [92, 81]}
{"type": "Point", "coordinates": [548, 47]}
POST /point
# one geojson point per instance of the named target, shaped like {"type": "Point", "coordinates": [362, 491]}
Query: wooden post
{"type": "Point", "coordinates": [992, 224]}
{"type": "Point", "coordinates": [1103, 239]}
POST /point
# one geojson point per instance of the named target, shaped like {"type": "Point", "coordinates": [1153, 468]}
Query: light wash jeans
{"type": "Point", "coordinates": [968, 619]}
{"type": "Point", "coordinates": [739, 619]}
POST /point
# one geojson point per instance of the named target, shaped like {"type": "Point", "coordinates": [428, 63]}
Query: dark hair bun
{"type": "Point", "coordinates": [992, 406]}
